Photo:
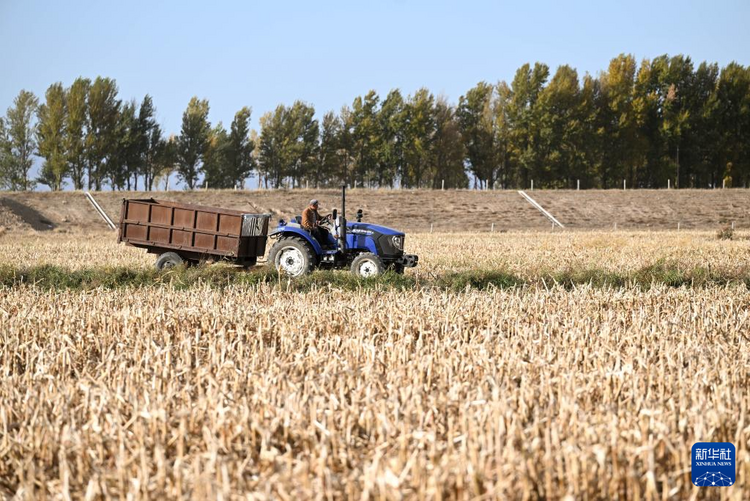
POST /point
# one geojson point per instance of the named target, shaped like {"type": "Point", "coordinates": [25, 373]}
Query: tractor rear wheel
{"type": "Point", "coordinates": [367, 265]}
{"type": "Point", "coordinates": [168, 260]}
{"type": "Point", "coordinates": [292, 256]}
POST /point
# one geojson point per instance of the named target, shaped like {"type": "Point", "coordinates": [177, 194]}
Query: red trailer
{"type": "Point", "coordinates": [191, 233]}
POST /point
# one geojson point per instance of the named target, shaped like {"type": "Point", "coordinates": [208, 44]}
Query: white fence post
{"type": "Point", "coordinates": [724, 184]}
{"type": "Point", "coordinates": [532, 185]}
{"type": "Point", "coordinates": [492, 230]}
{"type": "Point", "coordinates": [669, 183]}
{"type": "Point", "coordinates": [442, 185]}
{"type": "Point", "coordinates": [578, 185]}
{"type": "Point", "coordinates": [624, 184]}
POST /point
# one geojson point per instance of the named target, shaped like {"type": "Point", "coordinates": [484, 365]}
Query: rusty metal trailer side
{"type": "Point", "coordinates": [193, 231]}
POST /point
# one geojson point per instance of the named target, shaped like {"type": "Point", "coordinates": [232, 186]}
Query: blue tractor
{"type": "Point", "coordinates": [366, 249]}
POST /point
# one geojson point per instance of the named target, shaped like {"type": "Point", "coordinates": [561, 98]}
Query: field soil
{"type": "Point", "coordinates": [415, 210]}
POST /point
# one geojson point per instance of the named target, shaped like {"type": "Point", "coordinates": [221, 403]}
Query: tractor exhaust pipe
{"type": "Point", "coordinates": [342, 219]}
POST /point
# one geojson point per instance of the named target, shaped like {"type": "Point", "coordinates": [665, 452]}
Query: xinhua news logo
{"type": "Point", "coordinates": [714, 464]}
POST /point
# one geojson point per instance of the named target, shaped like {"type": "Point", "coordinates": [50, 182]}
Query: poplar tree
{"type": "Point", "coordinates": [390, 154]}
{"type": "Point", "coordinates": [152, 166]}
{"type": "Point", "coordinates": [328, 160]}
{"type": "Point", "coordinates": [618, 120]}
{"type": "Point", "coordinates": [193, 141]}
{"type": "Point", "coordinates": [447, 152]}
{"type": "Point", "coordinates": [216, 167]}
{"type": "Point", "coordinates": [524, 139]}
{"type": "Point", "coordinates": [420, 133]}
{"type": "Point", "coordinates": [366, 135]}
{"type": "Point", "coordinates": [303, 141]}
{"type": "Point", "coordinates": [346, 144]}
{"type": "Point", "coordinates": [5, 158]}
{"type": "Point", "coordinates": [101, 136]}
{"type": "Point", "coordinates": [477, 128]}
{"type": "Point", "coordinates": [560, 130]}
{"type": "Point", "coordinates": [240, 149]}
{"type": "Point", "coordinates": [733, 94]}
{"type": "Point", "coordinates": [706, 125]}
{"type": "Point", "coordinates": [51, 137]}
{"type": "Point", "coordinates": [271, 148]}
{"type": "Point", "coordinates": [125, 158]}
{"type": "Point", "coordinates": [19, 144]}
{"type": "Point", "coordinates": [165, 159]}
{"type": "Point", "coordinates": [76, 123]}
{"type": "Point", "coordinates": [144, 141]}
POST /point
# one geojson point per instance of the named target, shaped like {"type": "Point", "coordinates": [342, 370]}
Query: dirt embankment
{"type": "Point", "coordinates": [415, 210]}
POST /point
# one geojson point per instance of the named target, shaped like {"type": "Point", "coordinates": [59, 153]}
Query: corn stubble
{"type": "Point", "coordinates": [522, 253]}
{"type": "Point", "coordinates": [255, 392]}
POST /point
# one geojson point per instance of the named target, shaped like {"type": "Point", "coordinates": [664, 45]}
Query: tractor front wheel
{"type": "Point", "coordinates": [367, 265]}
{"type": "Point", "coordinates": [292, 256]}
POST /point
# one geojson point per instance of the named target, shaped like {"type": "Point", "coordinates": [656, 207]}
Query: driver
{"type": "Point", "coordinates": [311, 222]}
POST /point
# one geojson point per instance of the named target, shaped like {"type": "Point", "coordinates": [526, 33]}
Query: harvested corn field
{"type": "Point", "coordinates": [523, 253]}
{"type": "Point", "coordinates": [529, 391]}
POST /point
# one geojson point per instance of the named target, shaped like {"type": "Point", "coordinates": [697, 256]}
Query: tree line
{"type": "Point", "coordinates": [661, 121]}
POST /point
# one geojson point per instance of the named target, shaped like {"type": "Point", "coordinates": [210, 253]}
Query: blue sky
{"type": "Point", "coordinates": [260, 54]}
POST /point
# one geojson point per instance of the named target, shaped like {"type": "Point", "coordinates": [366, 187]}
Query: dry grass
{"type": "Point", "coordinates": [256, 392]}
{"type": "Point", "coordinates": [524, 254]}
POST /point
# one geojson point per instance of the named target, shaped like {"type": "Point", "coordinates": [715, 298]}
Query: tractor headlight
{"type": "Point", "coordinates": [398, 242]}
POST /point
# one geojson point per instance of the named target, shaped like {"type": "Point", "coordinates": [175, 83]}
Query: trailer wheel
{"type": "Point", "coordinates": [292, 256]}
{"type": "Point", "coordinates": [367, 265]}
{"type": "Point", "coordinates": [168, 260]}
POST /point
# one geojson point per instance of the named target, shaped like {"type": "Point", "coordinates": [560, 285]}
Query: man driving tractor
{"type": "Point", "coordinates": [311, 220]}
